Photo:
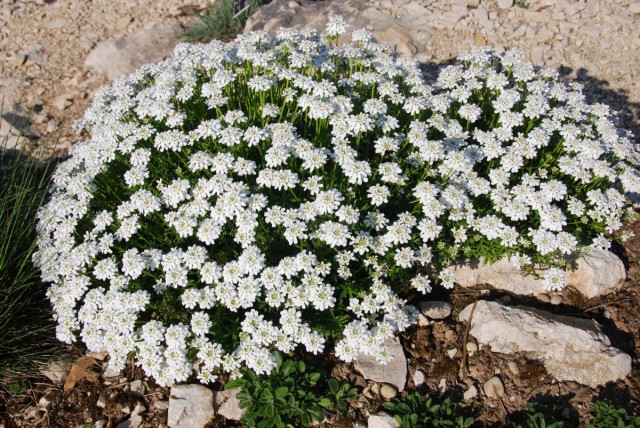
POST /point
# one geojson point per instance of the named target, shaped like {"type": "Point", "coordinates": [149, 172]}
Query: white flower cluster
{"type": "Point", "coordinates": [243, 197]}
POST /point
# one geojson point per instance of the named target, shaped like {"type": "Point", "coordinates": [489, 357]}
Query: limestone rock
{"type": "Point", "coordinates": [572, 349]}
{"type": "Point", "coordinates": [493, 388]}
{"type": "Point", "coordinates": [388, 391]}
{"type": "Point", "coordinates": [228, 405]}
{"type": "Point", "coordinates": [14, 128]}
{"type": "Point", "coordinates": [118, 57]}
{"type": "Point", "coordinates": [505, 4]}
{"type": "Point", "coordinates": [133, 422]}
{"type": "Point", "coordinates": [190, 406]}
{"type": "Point", "coordinates": [436, 310]}
{"type": "Point", "coordinates": [394, 373]}
{"type": "Point", "coordinates": [56, 370]}
{"type": "Point", "coordinates": [418, 378]}
{"type": "Point", "coordinates": [595, 273]}
{"type": "Point", "coordinates": [382, 420]}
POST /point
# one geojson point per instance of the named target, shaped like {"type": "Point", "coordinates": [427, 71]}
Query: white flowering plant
{"type": "Point", "coordinates": [288, 193]}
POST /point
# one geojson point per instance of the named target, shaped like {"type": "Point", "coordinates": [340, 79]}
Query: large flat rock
{"type": "Point", "coordinates": [393, 373]}
{"type": "Point", "coordinates": [593, 274]}
{"type": "Point", "coordinates": [116, 58]}
{"type": "Point", "coordinates": [190, 406]}
{"type": "Point", "coordinates": [572, 349]}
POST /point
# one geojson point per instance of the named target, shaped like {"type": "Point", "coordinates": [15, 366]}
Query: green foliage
{"type": "Point", "coordinates": [285, 398]}
{"type": "Point", "coordinates": [218, 23]}
{"type": "Point", "coordinates": [606, 415]}
{"type": "Point", "coordinates": [540, 416]}
{"type": "Point", "coordinates": [339, 394]}
{"type": "Point", "coordinates": [26, 329]}
{"type": "Point", "coordinates": [416, 410]}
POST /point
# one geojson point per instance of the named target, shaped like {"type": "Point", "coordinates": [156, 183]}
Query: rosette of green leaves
{"type": "Point", "coordinates": [287, 397]}
{"type": "Point", "coordinates": [417, 410]}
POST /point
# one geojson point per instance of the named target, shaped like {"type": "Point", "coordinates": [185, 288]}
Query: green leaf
{"type": "Point", "coordinates": [333, 385]}
{"type": "Point", "coordinates": [281, 391]}
{"type": "Point", "coordinates": [326, 403]}
{"type": "Point", "coordinates": [235, 383]}
{"type": "Point", "coordinates": [316, 413]}
{"type": "Point", "coordinates": [314, 378]}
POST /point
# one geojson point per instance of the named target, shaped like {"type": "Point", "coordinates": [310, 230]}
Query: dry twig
{"type": "Point", "coordinates": [463, 365]}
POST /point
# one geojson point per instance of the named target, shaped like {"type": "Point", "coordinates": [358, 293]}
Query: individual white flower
{"type": "Point", "coordinates": [554, 279]}
{"type": "Point", "coordinates": [336, 26]}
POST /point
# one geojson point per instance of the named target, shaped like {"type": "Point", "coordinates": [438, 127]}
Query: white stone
{"type": "Point", "coordinates": [133, 422]}
{"type": "Point", "coordinates": [388, 391]}
{"type": "Point", "coordinates": [382, 420]}
{"type": "Point", "coordinates": [190, 406]}
{"type": "Point", "coordinates": [594, 274]}
{"type": "Point", "coordinates": [418, 378]}
{"type": "Point", "coordinates": [394, 373]}
{"type": "Point", "coordinates": [228, 405]}
{"type": "Point", "coordinates": [14, 129]}
{"type": "Point", "coordinates": [572, 349]}
{"type": "Point", "coordinates": [118, 57]}
{"type": "Point", "coordinates": [161, 405]}
{"type": "Point", "coordinates": [470, 393]}
{"type": "Point", "coordinates": [634, 7]}
{"type": "Point", "coordinates": [137, 388]}
{"type": "Point", "coordinates": [56, 371]}
{"type": "Point", "coordinates": [493, 388]}
{"type": "Point", "coordinates": [472, 347]}
{"type": "Point", "coordinates": [436, 310]}
{"type": "Point", "coordinates": [505, 4]}
{"type": "Point", "coordinates": [556, 299]}
{"type": "Point", "coordinates": [597, 273]}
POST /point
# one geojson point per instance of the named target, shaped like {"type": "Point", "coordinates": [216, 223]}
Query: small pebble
{"type": "Point", "coordinates": [566, 413]}
{"type": "Point", "coordinates": [100, 424]}
{"type": "Point", "coordinates": [449, 334]}
{"type": "Point", "coordinates": [388, 391]}
{"type": "Point", "coordinates": [442, 386]}
{"type": "Point", "coordinates": [556, 299]}
{"type": "Point", "coordinates": [435, 310]}
{"type": "Point", "coordinates": [418, 378]}
{"type": "Point", "coordinates": [472, 347]}
{"type": "Point", "coordinates": [513, 368]}
{"type": "Point", "coordinates": [504, 299]}
{"type": "Point", "coordinates": [137, 388]}
{"type": "Point", "coordinates": [161, 405]}
{"type": "Point", "coordinates": [544, 297]}
{"type": "Point", "coordinates": [607, 314]}
{"type": "Point", "coordinates": [375, 388]}
{"type": "Point", "coordinates": [452, 352]}
{"type": "Point", "coordinates": [367, 393]}
{"type": "Point", "coordinates": [102, 402]}
{"type": "Point", "coordinates": [493, 388]}
{"type": "Point", "coordinates": [470, 393]}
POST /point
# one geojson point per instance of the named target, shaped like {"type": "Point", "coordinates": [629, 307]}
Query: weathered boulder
{"type": "Point", "coordinates": [190, 406]}
{"type": "Point", "coordinates": [118, 57]}
{"type": "Point", "coordinates": [394, 373]}
{"type": "Point", "coordinates": [595, 273]}
{"type": "Point", "coordinates": [572, 349]}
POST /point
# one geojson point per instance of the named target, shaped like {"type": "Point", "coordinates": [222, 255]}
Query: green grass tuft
{"type": "Point", "coordinates": [27, 331]}
{"type": "Point", "coordinates": [218, 23]}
